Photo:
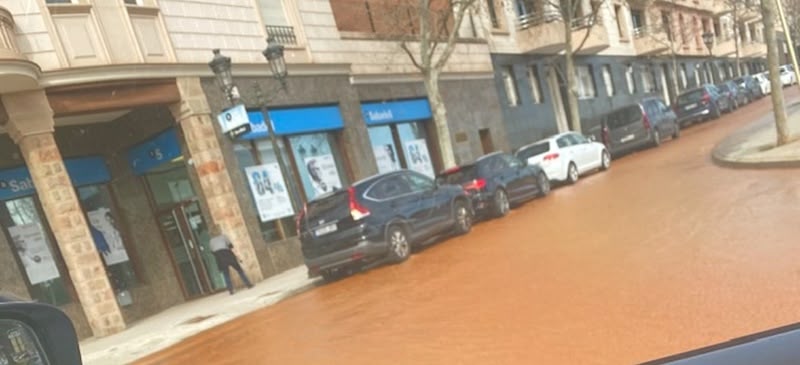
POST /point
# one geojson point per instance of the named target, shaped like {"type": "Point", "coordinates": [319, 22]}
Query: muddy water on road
{"type": "Point", "coordinates": [662, 254]}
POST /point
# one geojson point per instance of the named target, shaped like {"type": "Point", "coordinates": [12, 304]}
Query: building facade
{"type": "Point", "coordinates": [113, 166]}
{"type": "Point", "coordinates": [624, 51]}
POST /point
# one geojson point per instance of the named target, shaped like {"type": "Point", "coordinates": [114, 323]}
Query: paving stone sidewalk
{"type": "Point", "coordinates": [167, 328]}
{"type": "Point", "coordinates": [753, 146]}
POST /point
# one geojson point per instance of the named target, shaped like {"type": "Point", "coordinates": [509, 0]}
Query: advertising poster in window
{"type": "Point", "coordinates": [323, 174]}
{"type": "Point", "coordinates": [386, 158]}
{"type": "Point", "coordinates": [269, 191]}
{"type": "Point", "coordinates": [418, 157]}
{"type": "Point", "coordinates": [31, 246]}
{"type": "Point", "coordinates": [107, 238]}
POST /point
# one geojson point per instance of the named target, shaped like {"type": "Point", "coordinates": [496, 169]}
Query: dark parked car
{"type": "Point", "coordinates": [379, 217]}
{"type": "Point", "coordinates": [700, 103]}
{"type": "Point", "coordinates": [36, 334]}
{"type": "Point", "coordinates": [751, 86]}
{"type": "Point", "coordinates": [637, 125]}
{"type": "Point", "coordinates": [497, 180]}
{"type": "Point", "coordinates": [734, 92]}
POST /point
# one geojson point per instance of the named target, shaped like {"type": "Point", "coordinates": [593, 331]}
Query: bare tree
{"type": "Point", "coordinates": [663, 32]}
{"type": "Point", "coordinates": [770, 14]}
{"type": "Point", "coordinates": [575, 18]}
{"type": "Point", "coordinates": [428, 34]}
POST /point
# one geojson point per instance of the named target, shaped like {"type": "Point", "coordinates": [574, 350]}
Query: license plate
{"type": "Point", "coordinates": [325, 230]}
{"type": "Point", "coordinates": [690, 106]}
{"type": "Point", "coordinates": [626, 138]}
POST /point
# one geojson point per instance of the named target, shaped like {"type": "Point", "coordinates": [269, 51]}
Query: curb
{"type": "Point", "coordinates": [720, 159]}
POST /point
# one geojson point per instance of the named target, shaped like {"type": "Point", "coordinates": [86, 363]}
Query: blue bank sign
{"type": "Point", "coordinates": [150, 154]}
{"type": "Point", "coordinates": [396, 111]}
{"type": "Point", "coordinates": [295, 121]}
{"type": "Point", "coordinates": [17, 182]}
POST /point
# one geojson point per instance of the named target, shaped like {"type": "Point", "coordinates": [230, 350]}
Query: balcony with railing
{"type": "Point", "coordinates": [543, 32]}
{"type": "Point", "coordinates": [17, 73]}
{"type": "Point", "coordinates": [650, 40]}
{"type": "Point", "coordinates": [282, 34]}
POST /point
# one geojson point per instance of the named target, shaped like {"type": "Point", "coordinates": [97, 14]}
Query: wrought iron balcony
{"type": "Point", "coordinates": [283, 34]}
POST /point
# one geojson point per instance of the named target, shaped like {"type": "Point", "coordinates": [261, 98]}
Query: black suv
{"type": "Point", "coordinates": [379, 217]}
{"type": "Point", "coordinates": [497, 180]}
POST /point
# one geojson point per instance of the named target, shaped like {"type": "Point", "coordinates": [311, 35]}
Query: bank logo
{"type": "Point", "coordinates": [380, 116]}
{"type": "Point", "coordinates": [16, 186]}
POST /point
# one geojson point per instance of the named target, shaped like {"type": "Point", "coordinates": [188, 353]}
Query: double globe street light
{"type": "Point", "coordinates": [708, 40]}
{"type": "Point", "coordinates": [274, 53]}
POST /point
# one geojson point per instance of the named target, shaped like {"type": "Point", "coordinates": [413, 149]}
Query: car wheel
{"type": "Point", "coordinates": [501, 204]}
{"type": "Point", "coordinates": [605, 160]}
{"type": "Point", "coordinates": [572, 173]}
{"type": "Point", "coordinates": [716, 112]}
{"type": "Point", "coordinates": [329, 276]}
{"type": "Point", "coordinates": [399, 246]}
{"type": "Point", "coordinates": [677, 133]}
{"type": "Point", "coordinates": [656, 138]}
{"type": "Point", "coordinates": [463, 217]}
{"type": "Point", "coordinates": [543, 183]}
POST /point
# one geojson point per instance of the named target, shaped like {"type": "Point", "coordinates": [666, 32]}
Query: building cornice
{"type": "Point", "coordinates": [81, 75]}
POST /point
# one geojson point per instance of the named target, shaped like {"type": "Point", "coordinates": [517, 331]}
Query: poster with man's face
{"type": "Point", "coordinates": [31, 246]}
{"type": "Point", "coordinates": [106, 235]}
{"type": "Point", "coordinates": [385, 158]}
{"type": "Point", "coordinates": [323, 174]}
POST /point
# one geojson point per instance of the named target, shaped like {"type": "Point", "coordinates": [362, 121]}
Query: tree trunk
{"type": "Point", "coordinates": [769, 15]}
{"type": "Point", "coordinates": [675, 85]}
{"type": "Point", "coordinates": [569, 73]}
{"type": "Point", "coordinates": [736, 37]}
{"type": "Point", "coordinates": [439, 112]}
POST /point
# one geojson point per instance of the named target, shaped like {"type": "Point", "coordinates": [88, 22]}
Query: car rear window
{"type": "Point", "coordinates": [334, 205]}
{"type": "Point", "coordinates": [533, 150]}
{"type": "Point", "coordinates": [625, 116]}
{"type": "Point", "coordinates": [691, 97]}
{"type": "Point", "coordinates": [459, 175]}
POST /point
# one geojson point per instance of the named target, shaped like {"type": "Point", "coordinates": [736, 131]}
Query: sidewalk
{"type": "Point", "coordinates": [753, 146]}
{"type": "Point", "coordinates": [167, 328]}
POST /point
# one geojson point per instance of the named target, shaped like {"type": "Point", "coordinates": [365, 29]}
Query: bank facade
{"type": "Point", "coordinates": [113, 166]}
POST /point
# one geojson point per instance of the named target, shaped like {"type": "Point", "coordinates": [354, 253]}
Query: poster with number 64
{"type": "Point", "coordinates": [269, 191]}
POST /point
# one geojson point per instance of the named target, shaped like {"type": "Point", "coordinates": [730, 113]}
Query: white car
{"type": "Point", "coordinates": [565, 156]}
{"type": "Point", "coordinates": [787, 75]}
{"type": "Point", "coordinates": [763, 83]}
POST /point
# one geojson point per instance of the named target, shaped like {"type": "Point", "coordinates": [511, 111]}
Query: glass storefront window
{"type": "Point", "coordinates": [170, 185]}
{"type": "Point", "coordinates": [102, 220]}
{"type": "Point", "coordinates": [318, 163]}
{"type": "Point", "coordinates": [415, 148]}
{"type": "Point", "coordinates": [31, 242]}
{"type": "Point", "coordinates": [384, 148]}
{"type": "Point", "coordinates": [257, 153]}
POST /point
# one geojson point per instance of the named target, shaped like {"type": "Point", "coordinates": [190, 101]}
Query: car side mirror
{"type": "Point", "coordinates": [38, 334]}
{"type": "Point", "coordinates": [591, 138]}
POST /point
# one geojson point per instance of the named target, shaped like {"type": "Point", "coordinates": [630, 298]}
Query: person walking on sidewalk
{"type": "Point", "coordinates": [221, 247]}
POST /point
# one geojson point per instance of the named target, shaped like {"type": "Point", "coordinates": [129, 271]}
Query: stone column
{"type": "Point", "coordinates": [30, 124]}
{"type": "Point", "coordinates": [194, 117]}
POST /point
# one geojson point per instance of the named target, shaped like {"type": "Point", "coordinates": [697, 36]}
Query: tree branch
{"type": "Point", "coordinates": [463, 7]}
{"type": "Point", "coordinates": [404, 47]}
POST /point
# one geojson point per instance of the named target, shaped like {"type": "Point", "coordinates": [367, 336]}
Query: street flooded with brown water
{"type": "Point", "coordinates": [664, 253]}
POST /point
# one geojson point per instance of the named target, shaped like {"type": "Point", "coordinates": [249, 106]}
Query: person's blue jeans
{"type": "Point", "coordinates": [227, 275]}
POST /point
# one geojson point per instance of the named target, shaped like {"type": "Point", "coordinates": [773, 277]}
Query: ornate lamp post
{"type": "Point", "coordinates": [708, 40]}
{"type": "Point", "coordinates": [274, 53]}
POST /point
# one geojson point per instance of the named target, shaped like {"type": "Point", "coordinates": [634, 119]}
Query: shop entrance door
{"type": "Point", "coordinates": [187, 236]}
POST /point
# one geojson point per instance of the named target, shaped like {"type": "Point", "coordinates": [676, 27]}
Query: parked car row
{"type": "Point", "coordinates": [383, 217]}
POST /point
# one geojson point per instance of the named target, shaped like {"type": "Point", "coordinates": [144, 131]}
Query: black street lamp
{"type": "Point", "coordinates": [708, 40]}
{"type": "Point", "coordinates": [221, 66]}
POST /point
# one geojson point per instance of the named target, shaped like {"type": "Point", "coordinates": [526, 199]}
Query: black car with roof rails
{"type": "Point", "coordinates": [496, 181]}
{"type": "Point", "coordinates": [378, 218]}
{"type": "Point", "coordinates": [701, 103]}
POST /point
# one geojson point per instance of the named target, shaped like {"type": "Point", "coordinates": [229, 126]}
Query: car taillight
{"type": "Point", "coordinates": [357, 211]}
{"type": "Point", "coordinates": [550, 156]}
{"type": "Point", "coordinates": [706, 98]}
{"type": "Point", "coordinates": [299, 219]}
{"type": "Point", "coordinates": [477, 185]}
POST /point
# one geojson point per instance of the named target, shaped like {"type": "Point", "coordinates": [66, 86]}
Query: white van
{"type": "Point", "coordinates": [787, 75]}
